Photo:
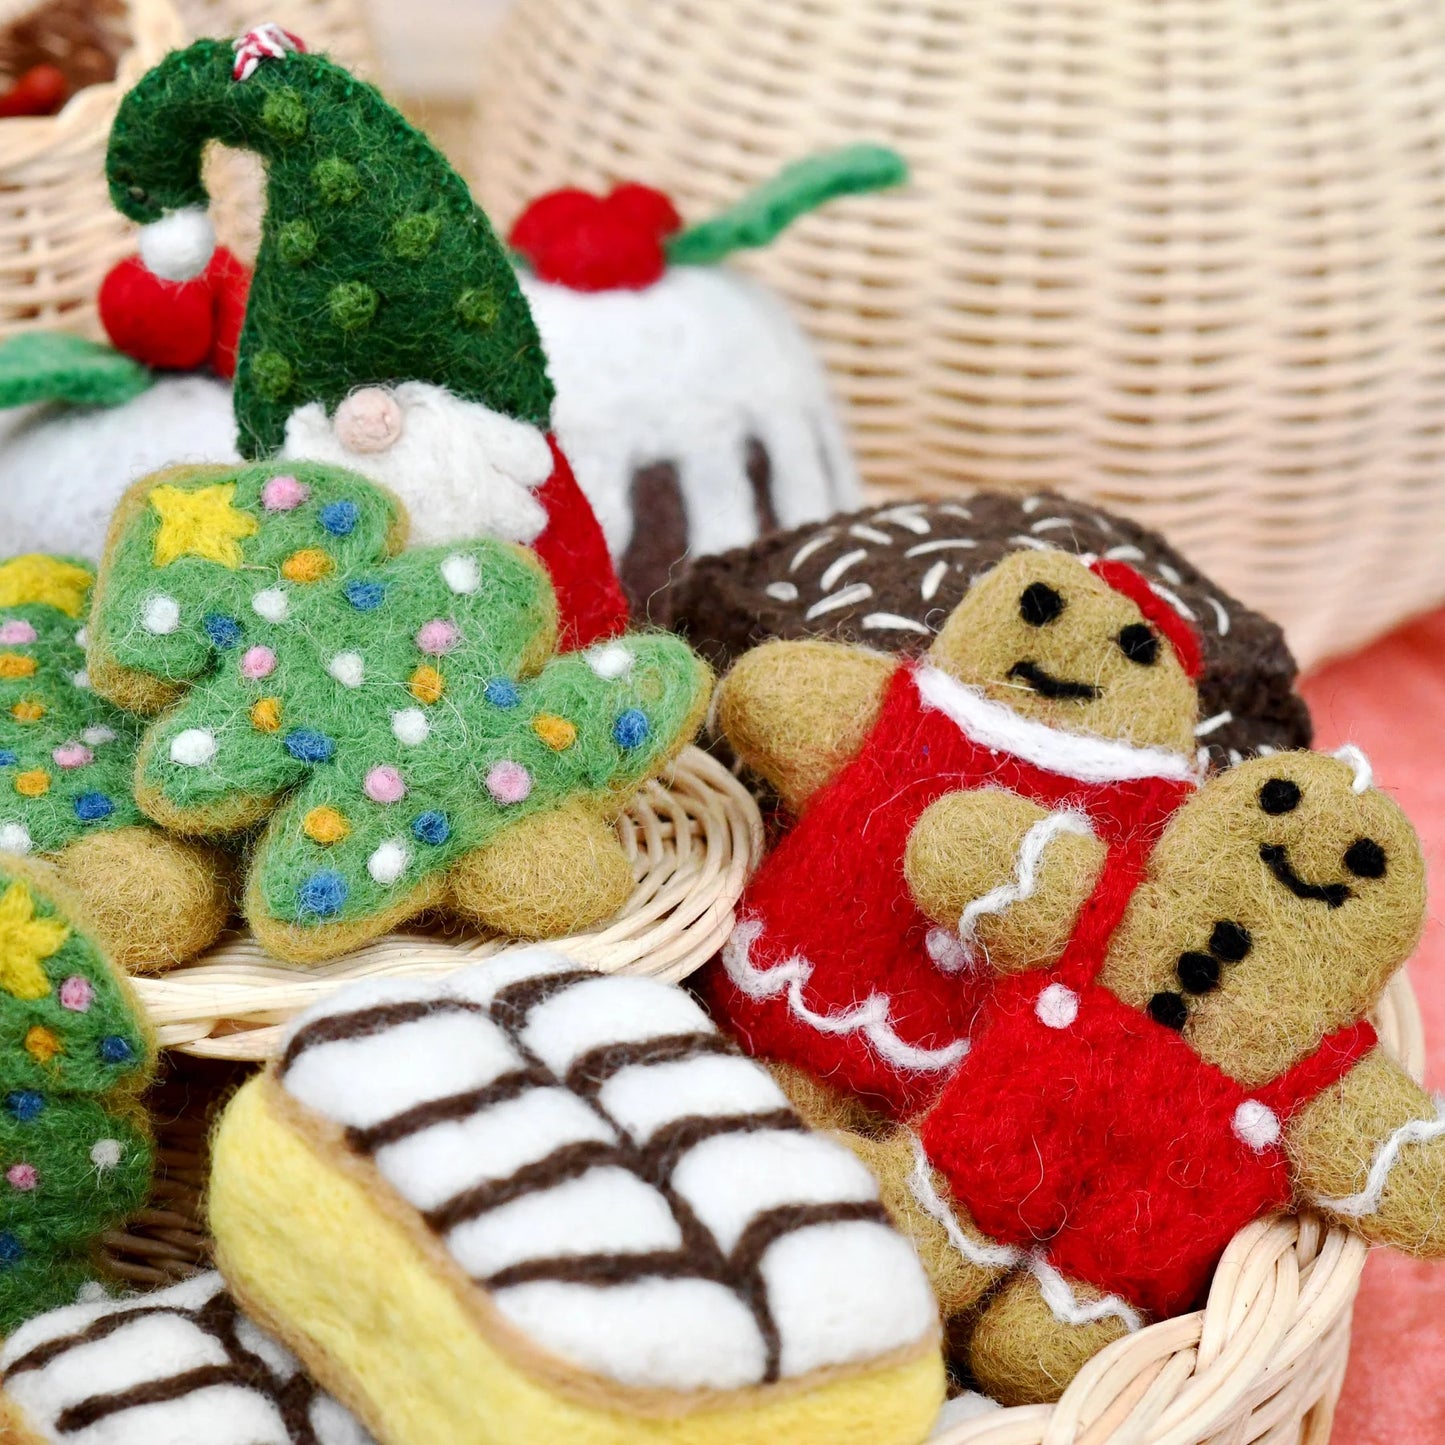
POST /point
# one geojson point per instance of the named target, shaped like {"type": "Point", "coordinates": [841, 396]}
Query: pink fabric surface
{"type": "Point", "coordinates": [1390, 699]}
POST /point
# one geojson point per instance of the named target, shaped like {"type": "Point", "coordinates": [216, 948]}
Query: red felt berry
{"type": "Point", "coordinates": [165, 324]}
{"type": "Point", "coordinates": [594, 243]}
{"type": "Point", "coordinates": [548, 217]}
{"type": "Point", "coordinates": [230, 282]}
{"type": "Point", "coordinates": [646, 207]}
{"type": "Point", "coordinates": [41, 90]}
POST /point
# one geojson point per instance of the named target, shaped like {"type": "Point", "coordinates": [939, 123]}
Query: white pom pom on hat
{"type": "Point", "coordinates": [178, 247]}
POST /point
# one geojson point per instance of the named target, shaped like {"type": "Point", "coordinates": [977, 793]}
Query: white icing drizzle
{"type": "Point", "coordinates": [932, 581]}
{"type": "Point", "coordinates": [857, 592]}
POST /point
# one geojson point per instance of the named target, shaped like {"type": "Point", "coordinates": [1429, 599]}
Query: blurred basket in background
{"type": "Point", "coordinates": [1180, 259]}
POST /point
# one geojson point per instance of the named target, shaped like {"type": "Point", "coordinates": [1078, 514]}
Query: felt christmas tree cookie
{"type": "Point", "coordinates": [583, 1216]}
{"type": "Point", "coordinates": [67, 758]}
{"type": "Point", "coordinates": [1193, 1055]}
{"type": "Point", "coordinates": [182, 1364]}
{"type": "Point", "coordinates": [384, 327]}
{"type": "Point", "coordinates": [396, 719]}
{"type": "Point", "coordinates": [75, 1148]}
{"type": "Point", "coordinates": [1066, 684]}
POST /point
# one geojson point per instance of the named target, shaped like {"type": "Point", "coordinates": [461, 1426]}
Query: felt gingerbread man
{"type": "Point", "coordinates": [1141, 1087]}
{"type": "Point", "coordinates": [1069, 685]}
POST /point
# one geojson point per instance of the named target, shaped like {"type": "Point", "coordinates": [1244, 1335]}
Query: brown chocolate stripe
{"type": "Point", "coordinates": [670, 1142]}
{"type": "Point", "coordinates": [590, 1071]}
{"type": "Point", "coordinates": [153, 1392]}
{"type": "Point", "coordinates": [511, 1005]}
{"type": "Point", "coordinates": [363, 1023]}
{"type": "Point", "coordinates": [98, 1329]}
{"type": "Point", "coordinates": [598, 1269]}
{"type": "Point", "coordinates": [448, 1110]}
{"type": "Point", "coordinates": [293, 1398]}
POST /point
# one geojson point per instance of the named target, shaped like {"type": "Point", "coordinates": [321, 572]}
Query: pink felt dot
{"type": "Point", "coordinates": [72, 755]}
{"type": "Point", "coordinates": [258, 662]}
{"type": "Point", "coordinates": [509, 782]}
{"type": "Point", "coordinates": [17, 632]}
{"type": "Point", "coordinates": [76, 994]}
{"type": "Point", "coordinates": [22, 1176]}
{"type": "Point", "coordinates": [437, 636]}
{"type": "Point", "coordinates": [384, 785]}
{"type": "Point", "coordinates": [284, 494]}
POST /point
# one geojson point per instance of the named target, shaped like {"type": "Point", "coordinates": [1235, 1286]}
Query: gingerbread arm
{"type": "Point", "coordinates": [797, 712]}
{"type": "Point", "coordinates": [1008, 875]}
{"type": "Point", "coordinates": [1371, 1152]}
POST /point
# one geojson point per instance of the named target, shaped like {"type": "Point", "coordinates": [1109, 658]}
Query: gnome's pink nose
{"type": "Point", "coordinates": [369, 420]}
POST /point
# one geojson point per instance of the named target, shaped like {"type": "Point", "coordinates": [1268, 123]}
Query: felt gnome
{"type": "Point", "coordinates": [384, 330]}
{"type": "Point", "coordinates": [1071, 685]}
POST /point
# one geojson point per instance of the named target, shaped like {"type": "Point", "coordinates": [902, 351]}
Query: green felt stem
{"type": "Point", "coordinates": [58, 367]}
{"type": "Point", "coordinates": [761, 216]}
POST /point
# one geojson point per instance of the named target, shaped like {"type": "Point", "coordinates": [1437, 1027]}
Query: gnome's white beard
{"type": "Point", "coordinates": [460, 469]}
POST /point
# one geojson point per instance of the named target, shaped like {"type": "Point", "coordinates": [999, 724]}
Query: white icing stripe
{"type": "Point", "coordinates": [1356, 758]}
{"type": "Point", "coordinates": [1367, 1201]}
{"type": "Point", "coordinates": [892, 622]}
{"type": "Point", "coordinates": [920, 1186]}
{"type": "Point", "coordinates": [1026, 875]}
{"type": "Point", "coordinates": [871, 1018]}
{"type": "Point", "coordinates": [808, 548]}
{"type": "Point", "coordinates": [932, 581]}
{"type": "Point", "coordinates": [941, 544]}
{"type": "Point", "coordinates": [1221, 617]}
{"type": "Point", "coordinates": [1213, 724]}
{"type": "Point", "coordinates": [855, 592]}
{"type": "Point", "coordinates": [1068, 1311]}
{"type": "Point", "coordinates": [839, 566]}
{"type": "Point", "coordinates": [1174, 600]}
{"type": "Point", "coordinates": [905, 516]}
{"type": "Point", "coordinates": [870, 534]}
{"type": "Point", "coordinates": [1075, 755]}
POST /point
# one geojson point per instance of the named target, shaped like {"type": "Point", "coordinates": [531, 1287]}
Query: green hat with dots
{"type": "Point", "coordinates": [376, 266]}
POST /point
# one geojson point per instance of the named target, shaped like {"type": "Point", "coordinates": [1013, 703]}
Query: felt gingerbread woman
{"type": "Point", "coordinates": [1070, 685]}
{"type": "Point", "coordinates": [1141, 1087]}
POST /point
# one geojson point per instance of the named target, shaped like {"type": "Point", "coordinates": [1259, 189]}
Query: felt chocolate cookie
{"type": "Point", "coordinates": [583, 1216]}
{"type": "Point", "coordinates": [397, 719]}
{"type": "Point", "coordinates": [67, 758]}
{"type": "Point", "coordinates": [888, 577]}
{"type": "Point", "coordinates": [182, 1364]}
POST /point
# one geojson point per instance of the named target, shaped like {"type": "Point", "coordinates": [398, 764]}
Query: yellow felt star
{"type": "Point", "coordinates": [36, 578]}
{"type": "Point", "coordinates": [202, 523]}
{"type": "Point", "coordinates": [25, 941]}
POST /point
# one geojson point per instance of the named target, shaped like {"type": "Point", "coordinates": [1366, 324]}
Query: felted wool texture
{"type": "Point", "coordinates": [55, 366]}
{"type": "Point", "coordinates": [887, 577]}
{"type": "Point", "coordinates": [178, 1366]}
{"type": "Point", "coordinates": [75, 1148]}
{"type": "Point", "coordinates": [822, 1107]}
{"type": "Point", "coordinates": [1307, 968]}
{"type": "Point", "coordinates": [403, 706]}
{"type": "Point", "coordinates": [374, 264]}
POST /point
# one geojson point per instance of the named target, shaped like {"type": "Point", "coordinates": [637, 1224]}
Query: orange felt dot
{"type": "Point", "coordinates": [34, 784]}
{"type": "Point", "coordinates": [16, 664]}
{"type": "Point", "coordinates": [427, 684]}
{"type": "Point", "coordinates": [266, 714]}
{"type": "Point", "coordinates": [556, 732]}
{"type": "Point", "coordinates": [28, 711]}
{"type": "Point", "coordinates": [42, 1045]}
{"type": "Point", "coordinates": [310, 564]}
{"type": "Point", "coordinates": [325, 826]}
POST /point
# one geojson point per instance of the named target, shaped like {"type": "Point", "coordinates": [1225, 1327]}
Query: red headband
{"type": "Point", "coordinates": [1166, 619]}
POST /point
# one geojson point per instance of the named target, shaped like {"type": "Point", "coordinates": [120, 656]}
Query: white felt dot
{"type": "Point", "coordinates": [947, 951]}
{"type": "Point", "coordinates": [389, 862]}
{"type": "Point", "coordinates": [82, 638]}
{"type": "Point", "coordinates": [1256, 1124]}
{"type": "Point", "coordinates": [161, 615]}
{"type": "Point", "coordinates": [81, 678]}
{"type": "Point", "coordinates": [272, 604]}
{"type": "Point", "coordinates": [14, 838]}
{"type": "Point", "coordinates": [610, 661]}
{"type": "Point", "coordinates": [97, 737]}
{"type": "Point", "coordinates": [1057, 1006]}
{"type": "Point", "coordinates": [193, 748]}
{"type": "Point", "coordinates": [782, 591]}
{"type": "Point", "coordinates": [105, 1153]}
{"type": "Point", "coordinates": [410, 726]}
{"type": "Point", "coordinates": [461, 573]}
{"type": "Point", "coordinates": [179, 245]}
{"type": "Point", "coordinates": [347, 668]}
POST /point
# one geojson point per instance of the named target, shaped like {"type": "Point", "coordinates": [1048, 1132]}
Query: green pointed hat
{"type": "Point", "coordinates": [376, 266]}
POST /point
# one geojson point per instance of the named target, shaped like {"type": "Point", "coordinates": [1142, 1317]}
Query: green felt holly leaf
{"type": "Point", "coordinates": [56, 366]}
{"type": "Point", "coordinates": [406, 707]}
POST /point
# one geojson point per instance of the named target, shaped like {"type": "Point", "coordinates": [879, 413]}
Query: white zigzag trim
{"type": "Point", "coordinates": [1414, 1131]}
{"type": "Point", "coordinates": [1026, 878]}
{"type": "Point", "coordinates": [870, 1018]}
{"type": "Point", "coordinates": [1067, 1309]}
{"type": "Point", "coordinates": [920, 1186]}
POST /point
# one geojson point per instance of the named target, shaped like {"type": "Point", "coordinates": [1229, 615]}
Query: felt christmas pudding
{"type": "Point", "coordinates": [397, 720]}
{"type": "Point", "coordinates": [690, 404]}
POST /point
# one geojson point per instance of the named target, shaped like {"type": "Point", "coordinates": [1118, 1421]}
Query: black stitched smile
{"type": "Point", "coordinates": [1047, 685]}
{"type": "Point", "coordinates": [1276, 858]}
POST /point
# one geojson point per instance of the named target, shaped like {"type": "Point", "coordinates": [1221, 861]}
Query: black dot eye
{"type": "Point", "coordinates": [1230, 941]}
{"type": "Point", "coordinates": [1198, 973]}
{"type": "Point", "coordinates": [1279, 795]}
{"type": "Point", "coordinates": [1169, 1009]}
{"type": "Point", "coordinates": [1138, 644]}
{"type": "Point", "coordinates": [1039, 604]}
{"type": "Point", "coordinates": [1365, 858]}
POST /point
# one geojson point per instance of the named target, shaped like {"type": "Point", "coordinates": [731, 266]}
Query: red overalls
{"type": "Point", "coordinates": [830, 968]}
{"type": "Point", "coordinates": [1079, 1128]}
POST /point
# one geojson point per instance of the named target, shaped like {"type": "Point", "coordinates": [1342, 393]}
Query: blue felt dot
{"type": "Point", "coordinates": [431, 827]}
{"type": "Point", "coordinates": [116, 1050]}
{"type": "Point", "coordinates": [308, 746]}
{"type": "Point", "coordinates": [25, 1105]}
{"type": "Point", "coordinates": [364, 596]}
{"type": "Point", "coordinates": [502, 692]}
{"type": "Point", "coordinates": [11, 1250]}
{"type": "Point", "coordinates": [222, 630]}
{"type": "Point", "coordinates": [8, 759]}
{"type": "Point", "coordinates": [92, 807]}
{"type": "Point", "coordinates": [339, 518]}
{"type": "Point", "coordinates": [632, 729]}
{"type": "Point", "coordinates": [322, 894]}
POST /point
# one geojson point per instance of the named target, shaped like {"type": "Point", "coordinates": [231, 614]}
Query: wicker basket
{"type": "Point", "coordinates": [1178, 257]}
{"type": "Point", "coordinates": [58, 232]}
